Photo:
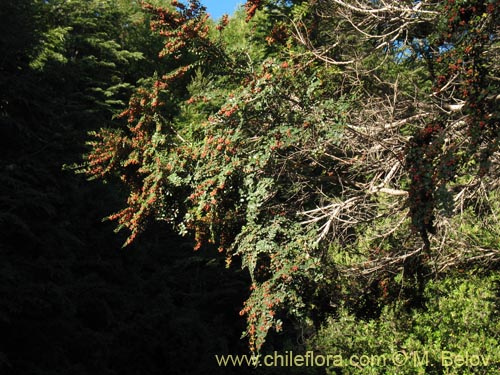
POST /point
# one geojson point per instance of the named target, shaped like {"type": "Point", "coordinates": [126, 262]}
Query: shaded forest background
{"type": "Point", "coordinates": [72, 301]}
{"type": "Point", "coordinates": [357, 273]}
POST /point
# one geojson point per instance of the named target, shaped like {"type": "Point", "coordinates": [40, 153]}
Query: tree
{"type": "Point", "coordinates": [325, 169]}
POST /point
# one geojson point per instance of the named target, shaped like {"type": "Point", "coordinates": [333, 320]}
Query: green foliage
{"type": "Point", "coordinates": [51, 48]}
{"type": "Point", "coordinates": [460, 316]}
{"type": "Point", "coordinates": [242, 39]}
{"type": "Point", "coordinates": [265, 136]}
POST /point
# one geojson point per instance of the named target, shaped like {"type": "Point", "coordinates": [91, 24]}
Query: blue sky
{"type": "Point", "coordinates": [217, 8]}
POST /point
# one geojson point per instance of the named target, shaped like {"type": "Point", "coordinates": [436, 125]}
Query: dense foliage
{"type": "Point", "coordinates": [460, 318]}
{"type": "Point", "coordinates": [317, 137]}
{"type": "Point", "coordinates": [339, 156]}
{"type": "Point", "coordinates": [71, 301]}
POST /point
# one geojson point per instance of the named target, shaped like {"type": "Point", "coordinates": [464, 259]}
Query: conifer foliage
{"type": "Point", "coordinates": [71, 302]}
